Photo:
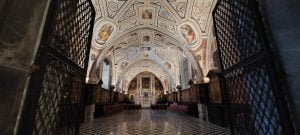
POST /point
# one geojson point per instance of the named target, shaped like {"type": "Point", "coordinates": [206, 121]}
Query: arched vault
{"type": "Point", "coordinates": [151, 33]}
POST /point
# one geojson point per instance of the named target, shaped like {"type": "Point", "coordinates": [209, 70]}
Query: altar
{"type": "Point", "coordinates": [145, 99]}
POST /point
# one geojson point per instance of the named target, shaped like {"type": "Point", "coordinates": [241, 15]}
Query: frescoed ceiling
{"type": "Point", "coordinates": [150, 35]}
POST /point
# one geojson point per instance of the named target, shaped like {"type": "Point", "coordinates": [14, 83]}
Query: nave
{"type": "Point", "coordinates": [66, 63]}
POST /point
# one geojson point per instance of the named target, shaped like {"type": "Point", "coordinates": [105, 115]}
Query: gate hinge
{"type": "Point", "coordinates": [33, 68]}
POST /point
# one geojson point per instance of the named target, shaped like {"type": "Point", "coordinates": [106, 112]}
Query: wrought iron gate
{"type": "Point", "coordinates": [256, 101]}
{"type": "Point", "coordinates": [53, 103]}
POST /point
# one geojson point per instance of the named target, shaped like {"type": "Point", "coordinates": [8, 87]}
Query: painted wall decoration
{"type": "Point", "coordinates": [188, 33]}
{"type": "Point", "coordinates": [147, 13]}
{"type": "Point", "coordinates": [145, 83]}
{"type": "Point", "coordinates": [167, 65]}
{"type": "Point", "coordinates": [201, 12]}
{"type": "Point", "coordinates": [123, 65]}
{"type": "Point", "coordinates": [180, 6]}
{"type": "Point", "coordinates": [165, 14]}
{"type": "Point", "coordinates": [203, 48]}
{"type": "Point", "coordinates": [146, 39]}
{"type": "Point", "coordinates": [104, 33]}
{"type": "Point", "coordinates": [133, 84]}
{"type": "Point", "coordinates": [97, 6]}
{"type": "Point", "coordinates": [158, 85]}
{"type": "Point", "coordinates": [129, 13]}
{"type": "Point", "coordinates": [113, 6]}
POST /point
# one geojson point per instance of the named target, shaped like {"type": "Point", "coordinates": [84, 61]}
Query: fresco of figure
{"type": "Point", "coordinates": [133, 84]}
{"type": "Point", "coordinates": [123, 65]}
{"type": "Point", "coordinates": [158, 85]}
{"type": "Point", "coordinates": [104, 33]}
{"type": "Point", "coordinates": [147, 14]}
{"type": "Point", "coordinates": [188, 33]}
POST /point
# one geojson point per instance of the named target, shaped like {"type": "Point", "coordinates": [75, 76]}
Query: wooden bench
{"type": "Point", "coordinates": [109, 109]}
{"type": "Point", "coordinates": [132, 107]}
{"type": "Point", "coordinates": [159, 107]}
{"type": "Point", "coordinates": [178, 108]}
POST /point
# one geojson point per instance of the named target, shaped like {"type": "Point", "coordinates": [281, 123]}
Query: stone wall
{"type": "Point", "coordinates": [284, 21]}
{"type": "Point", "coordinates": [19, 32]}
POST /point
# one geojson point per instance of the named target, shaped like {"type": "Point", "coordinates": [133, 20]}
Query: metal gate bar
{"type": "Point", "coordinates": [53, 104]}
{"type": "Point", "coordinates": [253, 94]}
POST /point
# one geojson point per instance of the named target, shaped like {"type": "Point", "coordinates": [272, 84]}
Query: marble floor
{"type": "Point", "coordinates": [150, 122]}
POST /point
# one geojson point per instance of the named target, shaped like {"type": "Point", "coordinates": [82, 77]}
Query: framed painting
{"type": "Point", "coordinates": [146, 83]}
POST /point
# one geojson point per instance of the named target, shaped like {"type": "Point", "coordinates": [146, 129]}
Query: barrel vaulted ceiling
{"type": "Point", "coordinates": [157, 36]}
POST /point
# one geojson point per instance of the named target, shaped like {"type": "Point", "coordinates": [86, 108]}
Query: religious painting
{"type": "Point", "coordinates": [158, 85]}
{"type": "Point", "coordinates": [147, 14]}
{"type": "Point", "coordinates": [188, 33]}
{"type": "Point", "coordinates": [104, 33]}
{"type": "Point", "coordinates": [145, 83]}
{"type": "Point", "coordinates": [133, 84]}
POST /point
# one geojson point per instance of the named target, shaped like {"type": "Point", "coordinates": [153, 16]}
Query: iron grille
{"type": "Point", "coordinates": [250, 88]}
{"type": "Point", "coordinates": [59, 107]}
{"type": "Point", "coordinates": [237, 34]}
{"type": "Point", "coordinates": [53, 104]}
{"type": "Point", "coordinates": [71, 30]}
{"type": "Point", "coordinates": [256, 105]}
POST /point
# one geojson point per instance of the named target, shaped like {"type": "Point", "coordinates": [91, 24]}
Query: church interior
{"type": "Point", "coordinates": [143, 67]}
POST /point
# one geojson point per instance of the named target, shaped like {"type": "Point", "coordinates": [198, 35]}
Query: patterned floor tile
{"type": "Point", "coordinates": [150, 122]}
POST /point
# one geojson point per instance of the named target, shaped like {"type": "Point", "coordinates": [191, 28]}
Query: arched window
{"type": "Point", "coordinates": [106, 74]}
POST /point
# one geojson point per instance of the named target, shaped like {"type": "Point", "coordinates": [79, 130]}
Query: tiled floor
{"type": "Point", "coordinates": [149, 122]}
